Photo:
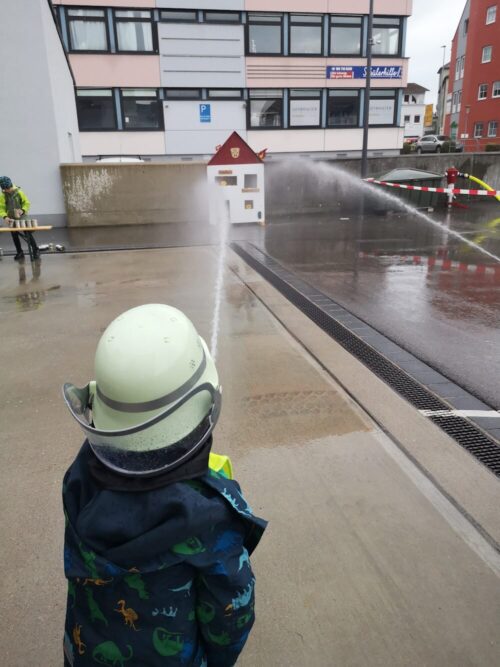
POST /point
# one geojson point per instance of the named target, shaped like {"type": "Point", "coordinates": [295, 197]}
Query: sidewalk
{"type": "Point", "coordinates": [365, 562]}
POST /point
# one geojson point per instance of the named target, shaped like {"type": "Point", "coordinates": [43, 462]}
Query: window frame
{"type": "Point", "coordinates": [386, 97]}
{"type": "Point", "coordinates": [398, 53]}
{"type": "Point", "coordinates": [480, 89]}
{"type": "Point", "coordinates": [476, 126]}
{"type": "Point", "coordinates": [104, 19]}
{"type": "Point", "coordinates": [483, 61]}
{"type": "Point", "coordinates": [305, 98]}
{"type": "Point", "coordinates": [265, 128]}
{"type": "Point", "coordinates": [417, 118]}
{"type": "Point", "coordinates": [161, 126]}
{"type": "Point", "coordinates": [488, 9]}
{"type": "Point", "coordinates": [490, 124]}
{"type": "Point", "coordinates": [230, 98]}
{"type": "Point", "coordinates": [358, 111]}
{"type": "Point", "coordinates": [247, 34]}
{"type": "Point", "coordinates": [495, 91]}
{"type": "Point", "coordinates": [319, 25]}
{"type": "Point", "coordinates": [168, 98]}
{"type": "Point", "coordinates": [179, 11]}
{"type": "Point", "coordinates": [348, 25]}
{"type": "Point", "coordinates": [154, 33]}
{"type": "Point", "coordinates": [115, 114]}
{"type": "Point", "coordinates": [221, 11]}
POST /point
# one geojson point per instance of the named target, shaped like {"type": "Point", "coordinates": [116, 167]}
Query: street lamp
{"type": "Point", "coordinates": [467, 112]}
{"type": "Point", "coordinates": [366, 106]}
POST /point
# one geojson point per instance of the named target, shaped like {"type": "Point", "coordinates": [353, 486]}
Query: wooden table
{"type": "Point", "coordinates": [23, 230]}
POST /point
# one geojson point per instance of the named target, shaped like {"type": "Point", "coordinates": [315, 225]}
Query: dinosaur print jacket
{"type": "Point", "coordinates": [159, 576]}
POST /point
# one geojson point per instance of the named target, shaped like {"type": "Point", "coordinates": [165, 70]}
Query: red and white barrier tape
{"type": "Point", "coordinates": [441, 264]}
{"type": "Point", "coordinates": [455, 191]}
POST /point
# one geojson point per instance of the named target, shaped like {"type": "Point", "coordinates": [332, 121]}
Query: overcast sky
{"type": "Point", "coordinates": [432, 25]}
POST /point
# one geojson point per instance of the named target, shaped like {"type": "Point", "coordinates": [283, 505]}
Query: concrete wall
{"type": "Point", "coordinates": [38, 123]}
{"type": "Point", "coordinates": [108, 194]}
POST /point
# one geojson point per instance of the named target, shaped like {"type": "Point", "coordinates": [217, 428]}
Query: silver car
{"type": "Point", "coordinates": [433, 143]}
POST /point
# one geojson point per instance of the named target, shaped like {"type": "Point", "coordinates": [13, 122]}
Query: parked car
{"type": "Point", "coordinates": [437, 143]}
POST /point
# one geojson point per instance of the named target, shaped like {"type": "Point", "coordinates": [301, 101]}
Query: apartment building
{"type": "Point", "coordinates": [413, 110]}
{"type": "Point", "coordinates": [474, 86]}
{"type": "Point", "coordinates": [173, 78]}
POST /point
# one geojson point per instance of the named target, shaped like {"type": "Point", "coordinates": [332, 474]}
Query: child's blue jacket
{"type": "Point", "coordinates": [157, 577]}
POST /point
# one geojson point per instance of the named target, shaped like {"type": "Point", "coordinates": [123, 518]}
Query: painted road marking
{"type": "Point", "coordinates": [460, 413]}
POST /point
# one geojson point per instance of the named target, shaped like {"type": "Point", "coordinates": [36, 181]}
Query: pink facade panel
{"type": "Point", "coordinates": [396, 7]}
{"type": "Point", "coordinates": [122, 71]}
{"type": "Point", "coordinates": [136, 4]}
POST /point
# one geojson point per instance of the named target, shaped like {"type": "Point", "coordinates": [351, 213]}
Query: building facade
{"type": "Point", "coordinates": [173, 78]}
{"type": "Point", "coordinates": [413, 110]}
{"type": "Point", "coordinates": [474, 84]}
{"type": "Point", "coordinates": [442, 100]}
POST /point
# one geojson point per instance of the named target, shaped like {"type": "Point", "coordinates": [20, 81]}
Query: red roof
{"type": "Point", "coordinates": [235, 151]}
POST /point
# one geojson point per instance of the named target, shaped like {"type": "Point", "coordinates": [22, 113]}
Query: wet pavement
{"type": "Point", "coordinates": [364, 562]}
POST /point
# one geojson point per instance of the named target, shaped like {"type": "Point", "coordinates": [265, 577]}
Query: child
{"type": "Point", "coordinates": [157, 544]}
{"type": "Point", "coordinates": [13, 205]}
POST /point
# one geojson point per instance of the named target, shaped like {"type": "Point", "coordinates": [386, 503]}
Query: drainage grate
{"type": "Point", "coordinates": [315, 304]}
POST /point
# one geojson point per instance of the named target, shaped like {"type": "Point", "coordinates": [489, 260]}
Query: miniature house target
{"type": "Point", "coordinates": [236, 183]}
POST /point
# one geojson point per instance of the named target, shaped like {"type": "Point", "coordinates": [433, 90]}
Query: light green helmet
{"type": "Point", "coordinates": [156, 397]}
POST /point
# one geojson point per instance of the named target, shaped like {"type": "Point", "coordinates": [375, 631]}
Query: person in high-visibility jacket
{"type": "Point", "coordinates": [158, 537]}
{"type": "Point", "coordinates": [14, 204]}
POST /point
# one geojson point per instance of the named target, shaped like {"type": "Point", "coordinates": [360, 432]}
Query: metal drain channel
{"type": "Point", "coordinates": [312, 303]}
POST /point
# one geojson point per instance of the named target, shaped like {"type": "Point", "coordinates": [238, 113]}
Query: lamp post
{"type": "Point", "coordinates": [366, 106]}
{"type": "Point", "coordinates": [467, 112]}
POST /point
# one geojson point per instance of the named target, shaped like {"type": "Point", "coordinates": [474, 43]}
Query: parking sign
{"type": "Point", "coordinates": [205, 113]}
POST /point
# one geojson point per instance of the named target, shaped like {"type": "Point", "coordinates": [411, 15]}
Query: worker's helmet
{"type": "Point", "coordinates": [5, 182]}
{"type": "Point", "coordinates": [156, 397]}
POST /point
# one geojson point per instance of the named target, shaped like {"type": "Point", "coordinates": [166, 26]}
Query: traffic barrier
{"type": "Point", "coordinates": [433, 263]}
{"type": "Point", "coordinates": [455, 191]}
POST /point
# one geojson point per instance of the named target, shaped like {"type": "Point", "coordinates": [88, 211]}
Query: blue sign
{"type": "Point", "coordinates": [205, 113]}
{"type": "Point", "coordinates": [359, 72]}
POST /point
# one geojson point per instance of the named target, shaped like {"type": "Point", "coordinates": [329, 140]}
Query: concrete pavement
{"type": "Point", "coordinates": [365, 561]}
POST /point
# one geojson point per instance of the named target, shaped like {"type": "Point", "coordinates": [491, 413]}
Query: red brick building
{"type": "Point", "coordinates": [473, 104]}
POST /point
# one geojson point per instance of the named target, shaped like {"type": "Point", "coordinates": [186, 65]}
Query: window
{"type": "Point", "coordinates": [462, 67]}
{"type": "Point", "coordinates": [306, 34]}
{"type": "Point", "coordinates": [179, 16]}
{"type": "Point", "coordinates": [492, 128]}
{"type": "Point", "coordinates": [141, 109]}
{"type": "Point", "coordinates": [459, 100]}
{"type": "Point", "coordinates": [407, 98]}
{"type": "Point", "coordinates": [382, 107]}
{"type": "Point", "coordinates": [343, 108]}
{"type": "Point", "coordinates": [225, 94]}
{"type": "Point", "coordinates": [407, 119]}
{"type": "Point", "coordinates": [457, 69]}
{"type": "Point", "coordinates": [491, 14]}
{"type": "Point", "coordinates": [87, 30]}
{"type": "Point", "coordinates": [265, 34]}
{"type": "Point", "coordinates": [266, 108]}
{"type": "Point", "coordinates": [248, 204]}
{"type": "Point", "coordinates": [482, 92]}
{"type": "Point", "coordinates": [416, 119]}
{"type": "Point", "coordinates": [386, 36]}
{"type": "Point", "coordinates": [305, 108]}
{"type": "Point", "coordinates": [222, 17]}
{"type": "Point", "coordinates": [478, 130]}
{"type": "Point", "coordinates": [96, 109]}
{"type": "Point", "coordinates": [226, 180]}
{"type": "Point", "coordinates": [134, 31]}
{"type": "Point", "coordinates": [454, 102]}
{"type": "Point", "coordinates": [345, 35]}
{"type": "Point", "coordinates": [466, 26]}
{"type": "Point", "coordinates": [250, 182]}
{"type": "Point", "coordinates": [496, 89]}
{"type": "Point", "coordinates": [183, 94]}
{"type": "Point", "coordinates": [486, 57]}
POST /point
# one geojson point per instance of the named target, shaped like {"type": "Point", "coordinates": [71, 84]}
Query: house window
{"type": "Point", "coordinates": [141, 109]}
{"type": "Point", "coordinates": [457, 69]}
{"type": "Point", "coordinates": [382, 107]}
{"type": "Point", "coordinates": [407, 99]}
{"type": "Point", "coordinates": [478, 130]}
{"type": "Point", "coordinates": [179, 16]}
{"type": "Point", "coordinates": [491, 14]}
{"type": "Point", "coordinates": [407, 119]}
{"type": "Point", "coordinates": [226, 180]}
{"type": "Point", "coordinates": [482, 92]}
{"type": "Point", "coordinates": [305, 108]}
{"type": "Point", "coordinates": [266, 108]}
{"type": "Point", "coordinates": [306, 34]}
{"type": "Point", "coordinates": [248, 204]}
{"type": "Point", "coordinates": [222, 17]}
{"type": "Point", "coordinates": [492, 128]}
{"type": "Point", "coordinates": [134, 31]}
{"type": "Point", "coordinates": [343, 108]}
{"type": "Point", "coordinates": [225, 94]}
{"type": "Point", "coordinates": [345, 35]}
{"type": "Point", "coordinates": [459, 100]}
{"type": "Point", "coordinates": [183, 94]}
{"type": "Point", "coordinates": [462, 67]}
{"type": "Point", "coordinates": [496, 89]}
{"type": "Point", "coordinates": [96, 109]}
{"type": "Point", "coordinates": [486, 57]}
{"type": "Point", "coordinates": [250, 182]}
{"type": "Point", "coordinates": [416, 119]}
{"type": "Point", "coordinates": [265, 34]}
{"type": "Point", "coordinates": [386, 36]}
{"type": "Point", "coordinates": [87, 30]}
{"type": "Point", "coordinates": [466, 26]}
